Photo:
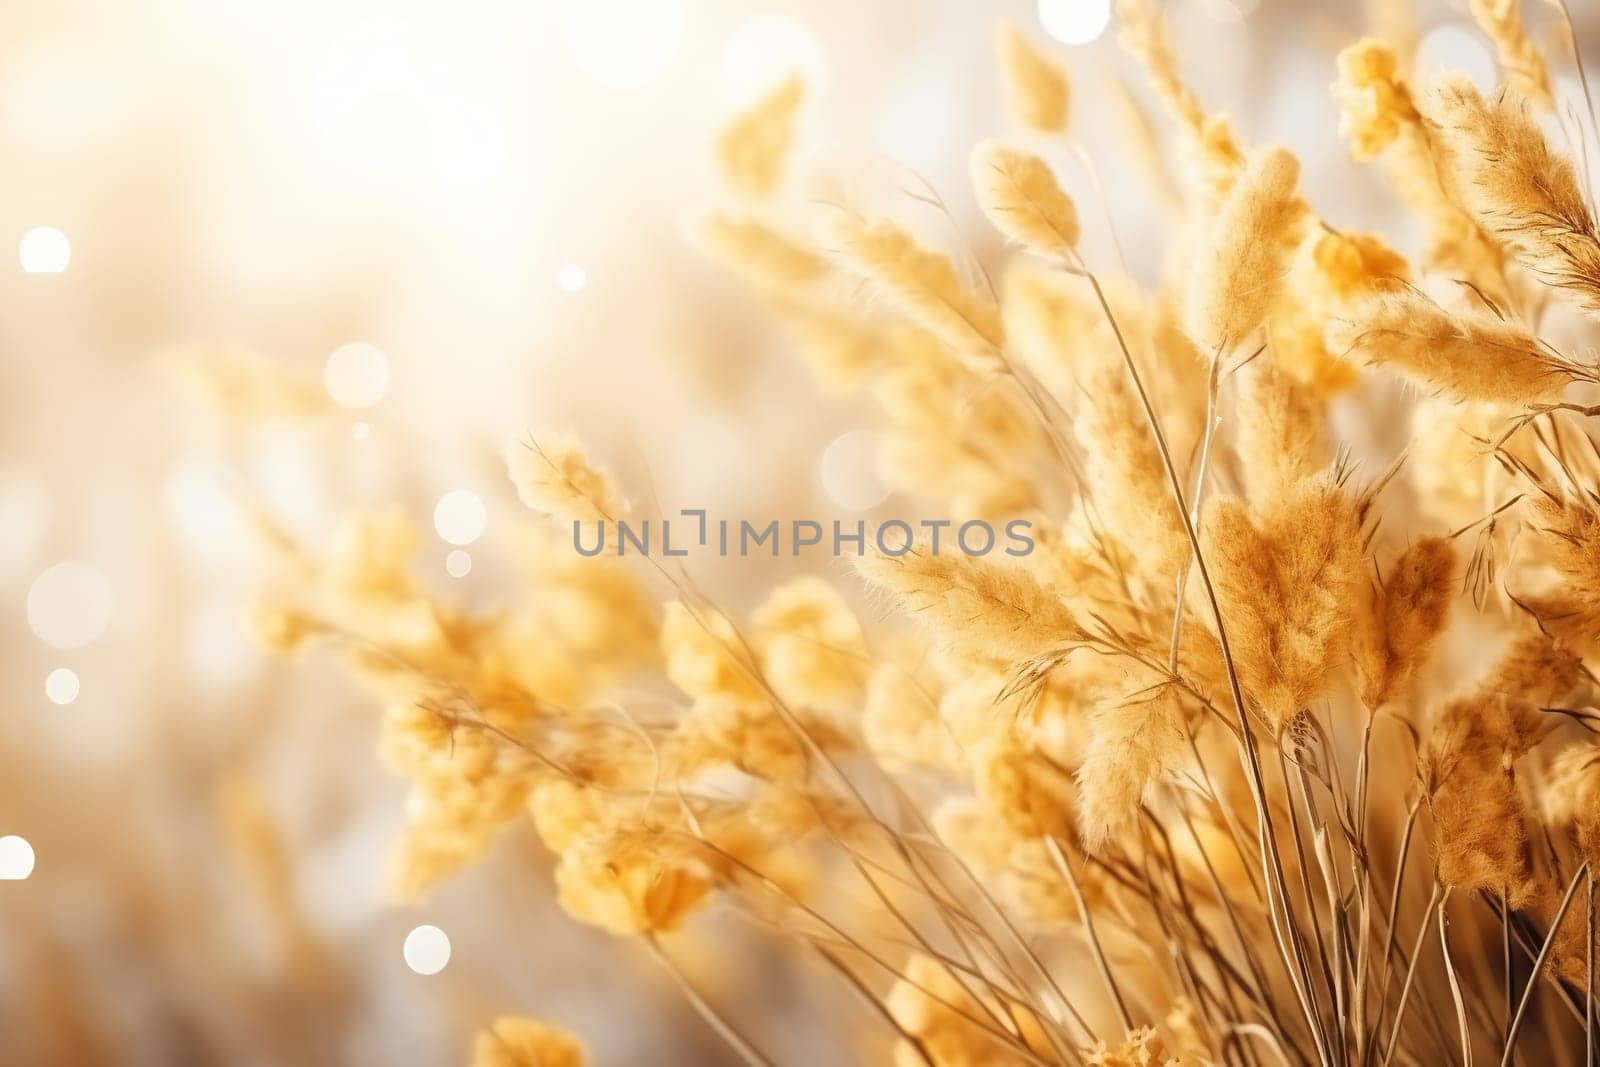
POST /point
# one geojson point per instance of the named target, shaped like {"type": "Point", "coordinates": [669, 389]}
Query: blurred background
{"type": "Point", "coordinates": [452, 223]}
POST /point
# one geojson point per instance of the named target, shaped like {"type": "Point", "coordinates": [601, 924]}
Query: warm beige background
{"type": "Point", "coordinates": [292, 176]}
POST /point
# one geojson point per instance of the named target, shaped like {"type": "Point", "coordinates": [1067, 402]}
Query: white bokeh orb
{"type": "Point", "coordinates": [16, 858]}
{"type": "Point", "coordinates": [458, 564]}
{"type": "Point", "coordinates": [44, 250]}
{"type": "Point", "coordinates": [356, 375]}
{"type": "Point", "coordinates": [1075, 21]}
{"type": "Point", "coordinates": [849, 471]}
{"type": "Point", "coordinates": [70, 604]}
{"type": "Point", "coordinates": [460, 517]}
{"type": "Point", "coordinates": [426, 950]}
{"type": "Point", "coordinates": [61, 686]}
{"type": "Point", "coordinates": [572, 278]}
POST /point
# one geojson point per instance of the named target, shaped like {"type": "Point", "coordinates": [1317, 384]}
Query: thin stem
{"type": "Point", "coordinates": [1588, 988]}
{"type": "Point", "coordinates": [876, 1004]}
{"type": "Point", "coordinates": [1538, 965]}
{"type": "Point", "coordinates": [1411, 973]}
{"type": "Point", "coordinates": [1455, 983]}
{"type": "Point", "coordinates": [1212, 421]}
{"type": "Point", "coordinates": [1505, 950]}
{"type": "Point", "coordinates": [1088, 928]}
{"type": "Point", "coordinates": [1305, 876]}
{"type": "Point", "coordinates": [737, 1041]}
{"type": "Point", "coordinates": [1394, 917]}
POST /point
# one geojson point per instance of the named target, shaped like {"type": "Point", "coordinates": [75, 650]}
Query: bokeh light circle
{"type": "Point", "coordinates": [460, 517]}
{"type": "Point", "coordinates": [70, 604]}
{"type": "Point", "coordinates": [61, 686]}
{"type": "Point", "coordinates": [849, 471]}
{"type": "Point", "coordinates": [44, 250]}
{"type": "Point", "coordinates": [572, 278]}
{"type": "Point", "coordinates": [426, 950]}
{"type": "Point", "coordinates": [356, 375]}
{"type": "Point", "coordinates": [1075, 21]}
{"type": "Point", "coordinates": [16, 858]}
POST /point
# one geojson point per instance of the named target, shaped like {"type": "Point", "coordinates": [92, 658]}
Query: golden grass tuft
{"type": "Point", "coordinates": [1020, 196]}
{"type": "Point", "coordinates": [1240, 764]}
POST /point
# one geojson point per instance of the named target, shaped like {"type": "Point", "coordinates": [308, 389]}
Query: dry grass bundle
{"type": "Point", "coordinates": [1226, 769]}
{"type": "Point", "coordinates": [1519, 190]}
{"type": "Point", "coordinates": [1466, 356]}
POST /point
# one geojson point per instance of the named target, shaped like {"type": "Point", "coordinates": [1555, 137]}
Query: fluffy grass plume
{"type": "Point", "coordinates": [1281, 431]}
{"type": "Point", "coordinates": [1467, 356]}
{"type": "Point", "coordinates": [762, 253]}
{"type": "Point", "coordinates": [922, 283]}
{"type": "Point", "coordinates": [991, 608]}
{"type": "Point", "coordinates": [1379, 117]}
{"type": "Point", "coordinates": [1210, 152]}
{"type": "Point", "coordinates": [555, 476]}
{"type": "Point", "coordinates": [1288, 583]}
{"type": "Point", "coordinates": [1239, 271]}
{"type": "Point", "coordinates": [1037, 90]}
{"type": "Point", "coordinates": [752, 150]}
{"type": "Point", "coordinates": [1407, 609]}
{"type": "Point", "coordinates": [1020, 196]}
{"type": "Point", "coordinates": [513, 1041]}
{"type": "Point", "coordinates": [1518, 189]}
